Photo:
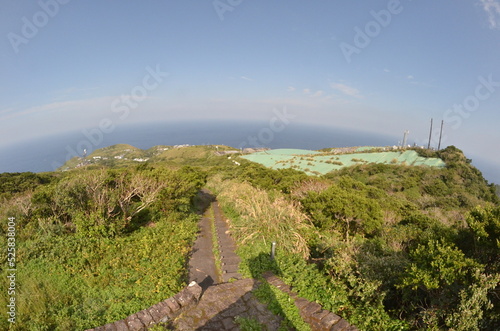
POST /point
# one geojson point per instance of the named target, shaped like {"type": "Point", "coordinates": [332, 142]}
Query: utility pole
{"type": "Point", "coordinates": [405, 137]}
{"type": "Point", "coordinates": [440, 135]}
{"type": "Point", "coordinates": [430, 137]}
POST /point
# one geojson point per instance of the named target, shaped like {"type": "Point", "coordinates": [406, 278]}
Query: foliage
{"type": "Point", "coordinates": [388, 247]}
{"type": "Point", "coordinates": [437, 265]}
{"type": "Point", "coordinates": [248, 324]}
{"type": "Point", "coordinates": [485, 227]}
{"type": "Point", "coordinates": [446, 286]}
{"type": "Point", "coordinates": [392, 247]}
{"type": "Point", "coordinates": [13, 183]}
{"type": "Point", "coordinates": [346, 208]}
{"type": "Point", "coordinates": [91, 244]}
{"type": "Point", "coordinates": [281, 304]}
{"type": "Point", "coordinates": [264, 216]}
{"type": "Point", "coordinates": [282, 180]}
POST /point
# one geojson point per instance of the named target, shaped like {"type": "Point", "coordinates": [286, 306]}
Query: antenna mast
{"type": "Point", "coordinates": [405, 137]}
{"type": "Point", "coordinates": [440, 135]}
{"type": "Point", "coordinates": [430, 137]}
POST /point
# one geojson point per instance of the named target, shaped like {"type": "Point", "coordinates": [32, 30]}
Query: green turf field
{"type": "Point", "coordinates": [314, 162]}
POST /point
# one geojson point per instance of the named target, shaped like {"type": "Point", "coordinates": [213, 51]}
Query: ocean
{"type": "Point", "coordinates": [49, 153]}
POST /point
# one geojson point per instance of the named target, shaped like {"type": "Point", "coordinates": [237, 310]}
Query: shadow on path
{"type": "Point", "coordinates": [201, 264]}
{"type": "Point", "coordinates": [229, 305]}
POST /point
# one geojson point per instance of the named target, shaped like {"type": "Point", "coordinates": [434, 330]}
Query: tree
{"type": "Point", "coordinates": [484, 223]}
{"type": "Point", "coordinates": [441, 286]}
{"type": "Point", "coordinates": [346, 210]}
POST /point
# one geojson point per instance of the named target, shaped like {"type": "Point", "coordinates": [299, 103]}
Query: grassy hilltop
{"type": "Point", "coordinates": [403, 241]}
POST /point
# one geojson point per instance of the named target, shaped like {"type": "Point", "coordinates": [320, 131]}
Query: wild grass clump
{"type": "Point", "coordinates": [264, 216]}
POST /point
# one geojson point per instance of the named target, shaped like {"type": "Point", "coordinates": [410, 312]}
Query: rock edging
{"type": "Point", "coordinates": [229, 259]}
{"type": "Point", "coordinates": [159, 313]}
{"type": "Point", "coordinates": [312, 313]}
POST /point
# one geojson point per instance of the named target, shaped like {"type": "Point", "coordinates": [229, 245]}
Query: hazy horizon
{"type": "Point", "coordinates": [382, 66]}
{"type": "Point", "coordinates": [43, 154]}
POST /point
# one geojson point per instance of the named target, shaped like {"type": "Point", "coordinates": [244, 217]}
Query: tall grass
{"type": "Point", "coordinates": [264, 216]}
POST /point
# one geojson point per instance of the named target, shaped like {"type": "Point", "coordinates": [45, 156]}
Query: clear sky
{"type": "Point", "coordinates": [381, 66]}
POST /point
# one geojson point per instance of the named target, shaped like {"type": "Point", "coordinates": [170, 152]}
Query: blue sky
{"type": "Point", "coordinates": [380, 66]}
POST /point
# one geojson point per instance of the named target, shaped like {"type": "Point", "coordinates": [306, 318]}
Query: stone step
{"type": "Point", "coordinates": [230, 260]}
{"type": "Point", "coordinates": [229, 268]}
{"type": "Point", "coordinates": [223, 235]}
{"type": "Point", "coordinates": [225, 240]}
{"type": "Point", "coordinates": [225, 250]}
{"type": "Point", "coordinates": [229, 256]}
{"type": "Point", "coordinates": [227, 276]}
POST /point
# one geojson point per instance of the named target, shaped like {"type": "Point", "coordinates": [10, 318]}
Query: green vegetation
{"type": "Point", "coordinates": [92, 244]}
{"type": "Point", "coordinates": [120, 156]}
{"type": "Point", "coordinates": [321, 163]}
{"type": "Point", "coordinates": [249, 324]}
{"type": "Point", "coordinates": [386, 246]}
{"type": "Point", "coordinates": [281, 304]}
{"type": "Point", "coordinates": [215, 244]}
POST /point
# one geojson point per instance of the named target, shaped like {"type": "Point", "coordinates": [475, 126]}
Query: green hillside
{"type": "Point", "coordinates": [121, 155]}
{"type": "Point", "coordinates": [321, 163]}
{"type": "Point", "coordinates": [389, 240]}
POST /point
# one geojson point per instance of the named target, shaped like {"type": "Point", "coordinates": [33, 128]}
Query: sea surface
{"type": "Point", "coordinates": [50, 153]}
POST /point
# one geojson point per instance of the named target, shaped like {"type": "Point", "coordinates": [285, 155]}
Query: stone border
{"type": "Point", "coordinates": [159, 313]}
{"type": "Point", "coordinates": [312, 313]}
{"type": "Point", "coordinates": [229, 260]}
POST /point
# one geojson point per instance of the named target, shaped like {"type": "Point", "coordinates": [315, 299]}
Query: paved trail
{"type": "Point", "coordinates": [226, 297]}
{"type": "Point", "coordinates": [221, 304]}
{"type": "Point", "coordinates": [222, 301]}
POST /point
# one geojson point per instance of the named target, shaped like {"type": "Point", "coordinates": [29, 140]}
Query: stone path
{"type": "Point", "coordinates": [202, 267]}
{"type": "Point", "coordinates": [202, 263]}
{"type": "Point", "coordinates": [229, 259]}
{"type": "Point", "coordinates": [215, 301]}
{"type": "Point", "coordinates": [226, 296]}
{"type": "Point", "coordinates": [221, 304]}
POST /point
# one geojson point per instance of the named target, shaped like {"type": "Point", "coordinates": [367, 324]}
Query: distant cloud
{"type": "Point", "coordinates": [387, 70]}
{"type": "Point", "coordinates": [291, 89]}
{"type": "Point", "coordinates": [317, 94]}
{"type": "Point", "coordinates": [3, 112]}
{"type": "Point", "coordinates": [492, 8]}
{"type": "Point", "coordinates": [246, 78]}
{"type": "Point", "coordinates": [410, 77]}
{"type": "Point", "coordinates": [347, 90]}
